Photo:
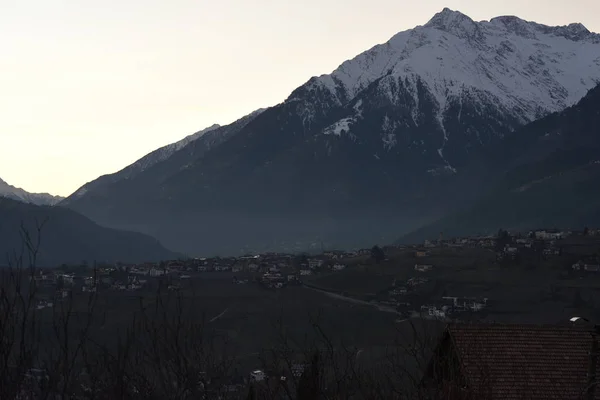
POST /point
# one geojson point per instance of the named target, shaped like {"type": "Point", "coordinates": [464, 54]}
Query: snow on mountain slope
{"type": "Point", "coordinates": [147, 161]}
{"type": "Point", "coordinates": [164, 152]}
{"type": "Point", "coordinates": [209, 136]}
{"type": "Point", "coordinates": [524, 67]}
{"type": "Point", "coordinates": [15, 193]}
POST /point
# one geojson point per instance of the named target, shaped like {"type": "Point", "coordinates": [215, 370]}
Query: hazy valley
{"type": "Point", "coordinates": [420, 223]}
{"type": "Point", "coordinates": [361, 155]}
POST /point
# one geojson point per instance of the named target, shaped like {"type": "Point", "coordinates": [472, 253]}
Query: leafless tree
{"type": "Point", "coordinates": [165, 351]}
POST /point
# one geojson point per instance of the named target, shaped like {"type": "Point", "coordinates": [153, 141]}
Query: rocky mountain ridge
{"type": "Point", "coordinates": [15, 193]}
{"type": "Point", "coordinates": [389, 141]}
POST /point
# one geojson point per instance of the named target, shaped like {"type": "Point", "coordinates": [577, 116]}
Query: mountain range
{"type": "Point", "coordinates": [19, 194]}
{"type": "Point", "coordinates": [546, 175]}
{"type": "Point", "coordinates": [67, 237]}
{"type": "Point", "coordinates": [392, 140]}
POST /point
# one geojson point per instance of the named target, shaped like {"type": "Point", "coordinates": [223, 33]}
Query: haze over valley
{"type": "Point", "coordinates": [361, 155]}
{"type": "Point", "coordinates": [415, 223]}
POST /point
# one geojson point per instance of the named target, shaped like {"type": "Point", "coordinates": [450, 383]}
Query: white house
{"type": "Point", "coordinates": [467, 303]}
{"type": "Point", "coordinates": [423, 268]}
{"type": "Point", "coordinates": [297, 370]}
{"type": "Point", "coordinates": [156, 272]}
{"type": "Point", "coordinates": [399, 291]}
{"type": "Point", "coordinates": [257, 376]}
{"type": "Point", "coordinates": [338, 267]}
{"type": "Point", "coordinates": [305, 272]}
{"type": "Point", "coordinates": [44, 304]}
{"type": "Point", "coordinates": [545, 235]}
{"type": "Point", "coordinates": [550, 252]}
{"type": "Point", "coordinates": [428, 243]}
{"type": "Point", "coordinates": [433, 311]}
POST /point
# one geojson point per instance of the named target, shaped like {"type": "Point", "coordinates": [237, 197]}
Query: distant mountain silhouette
{"type": "Point", "coordinates": [40, 199]}
{"type": "Point", "coordinates": [70, 238]}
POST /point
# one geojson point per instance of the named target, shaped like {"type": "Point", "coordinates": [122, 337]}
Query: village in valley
{"type": "Point", "coordinates": [409, 277]}
{"type": "Point", "coordinates": [542, 276]}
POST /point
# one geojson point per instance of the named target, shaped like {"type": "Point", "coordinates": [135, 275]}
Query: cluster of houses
{"type": "Point", "coordinates": [590, 266]}
{"type": "Point", "coordinates": [423, 267]}
{"type": "Point", "coordinates": [275, 279]}
{"type": "Point", "coordinates": [55, 284]}
{"type": "Point", "coordinates": [397, 295]}
{"type": "Point", "coordinates": [450, 305]}
{"type": "Point", "coordinates": [275, 270]}
{"type": "Point", "coordinates": [295, 370]}
{"type": "Point", "coordinates": [472, 241]}
{"type": "Point", "coordinates": [548, 247]}
{"type": "Point", "coordinates": [279, 276]}
{"type": "Point", "coordinates": [522, 240]}
{"type": "Point", "coordinates": [272, 270]}
{"type": "Point", "coordinates": [49, 299]}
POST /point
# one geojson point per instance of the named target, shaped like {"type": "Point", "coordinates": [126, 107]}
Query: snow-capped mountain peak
{"type": "Point", "coordinates": [456, 23]}
{"type": "Point", "coordinates": [475, 80]}
{"type": "Point", "coordinates": [529, 68]}
{"type": "Point", "coordinates": [15, 193]}
{"type": "Point", "coordinates": [574, 31]}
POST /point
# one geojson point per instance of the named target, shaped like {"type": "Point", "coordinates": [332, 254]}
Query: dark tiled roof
{"type": "Point", "coordinates": [524, 361]}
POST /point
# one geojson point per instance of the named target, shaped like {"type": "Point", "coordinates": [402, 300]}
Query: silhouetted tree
{"type": "Point", "coordinates": [301, 259]}
{"type": "Point", "coordinates": [308, 387]}
{"type": "Point", "coordinates": [502, 239]}
{"type": "Point", "coordinates": [377, 254]}
{"type": "Point", "coordinates": [251, 393]}
{"type": "Point", "coordinates": [577, 299]}
{"type": "Point", "coordinates": [166, 350]}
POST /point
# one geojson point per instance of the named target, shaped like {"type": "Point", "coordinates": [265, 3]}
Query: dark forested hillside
{"type": "Point", "coordinates": [70, 238]}
{"type": "Point", "coordinates": [547, 174]}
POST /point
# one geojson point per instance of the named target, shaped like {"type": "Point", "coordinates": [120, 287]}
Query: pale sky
{"type": "Point", "coordinates": [87, 87]}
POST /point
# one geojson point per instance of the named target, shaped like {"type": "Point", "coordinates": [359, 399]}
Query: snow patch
{"type": "Point", "coordinates": [341, 126]}
{"type": "Point", "coordinates": [344, 124]}
{"type": "Point", "coordinates": [358, 108]}
{"type": "Point", "coordinates": [445, 170]}
{"type": "Point", "coordinates": [513, 63]}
